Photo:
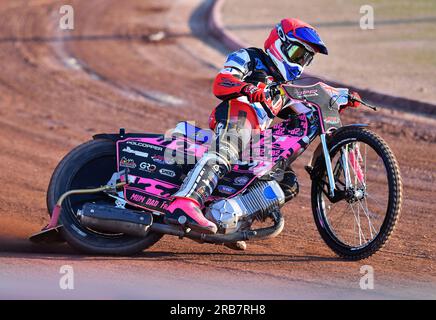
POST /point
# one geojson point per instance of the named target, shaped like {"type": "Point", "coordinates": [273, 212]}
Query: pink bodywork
{"type": "Point", "coordinates": [193, 148]}
{"type": "Point", "coordinates": [284, 144]}
{"type": "Point", "coordinates": [153, 183]}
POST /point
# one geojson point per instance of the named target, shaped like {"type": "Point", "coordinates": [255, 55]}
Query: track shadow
{"type": "Point", "coordinates": [243, 257]}
{"type": "Point", "coordinates": [18, 246]}
{"type": "Point", "coordinates": [27, 250]}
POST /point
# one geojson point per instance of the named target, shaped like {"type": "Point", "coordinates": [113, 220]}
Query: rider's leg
{"type": "Point", "coordinates": [196, 188]}
{"type": "Point", "coordinates": [232, 135]}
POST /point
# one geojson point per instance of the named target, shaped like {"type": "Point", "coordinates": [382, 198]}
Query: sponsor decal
{"type": "Point", "coordinates": [152, 203]}
{"type": "Point", "coordinates": [145, 145]}
{"type": "Point", "coordinates": [145, 200]}
{"type": "Point", "coordinates": [148, 201]}
{"type": "Point", "coordinates": [158, 158]}
{"type": "Point", "coordinates": [137, 197]}
{"type": "Point", "coordinates": [226, 189]}
{"type": "Point", "coordinates": [128, 163]}
{"type": "Point", "coordinates": [236, 57]}
{"type": "Point", "coordinates": [135, 152]}
{"type": "Point", "coordinates": [295, 132]}
{"type": "Point", "coordinates": [229, 83]}
{"type": "Point", "coordinates": [331, 120]}
{"type": "Point", "coordinates": [218, 170]}
{"type": "Point", "coordinates": [167, 172]}
{"type": "Point", "coordinates": [307, 93]}
{"type": "Point", "coordinates": [202, 192]}
{"type": "Point", "coordinates": [145, 166]}
{"type": "Point", "coordinates": [241, 181]}
{"type": "Point", "coordinates": [201, 136]}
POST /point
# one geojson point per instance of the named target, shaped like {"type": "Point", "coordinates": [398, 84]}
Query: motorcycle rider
{"type": "Point", "coordinates": [241, 84]}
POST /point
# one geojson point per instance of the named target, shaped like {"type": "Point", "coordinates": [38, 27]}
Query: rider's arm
{"type": "Point", "coordinates": [229, 81]}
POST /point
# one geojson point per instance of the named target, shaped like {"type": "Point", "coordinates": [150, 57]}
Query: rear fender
{"type": "Point", "coordinates": [122, 135]}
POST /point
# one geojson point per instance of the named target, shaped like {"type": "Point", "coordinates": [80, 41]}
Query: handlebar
{"type": "Point", "coordinates": [274, 89]}
{"type": "Point", "coordinates": [271, 90]}
{"type": "Point", "coordinates": [353, 98]}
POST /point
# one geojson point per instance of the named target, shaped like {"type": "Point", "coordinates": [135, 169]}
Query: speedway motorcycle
{"type": "Point", "coordinates": [109, 195]}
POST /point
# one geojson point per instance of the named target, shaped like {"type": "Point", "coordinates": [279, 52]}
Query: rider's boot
{"type": "Point", "coordinates": [196, 188]}
{"type": "Point", "coordinates": [289, 184]}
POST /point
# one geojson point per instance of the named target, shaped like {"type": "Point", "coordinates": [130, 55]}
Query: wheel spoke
{"type": "Point", "coordinates": [341, 214]}
{"type": "Point", "coordinates": [370, 225]}
{"type": "Point", "coordinates": [357, 220]}
{"type": "Point", "coordinates": [368, 196]}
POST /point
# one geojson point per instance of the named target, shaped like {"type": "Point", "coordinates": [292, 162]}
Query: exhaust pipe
{"type": "Point", "coordinates": [106, 218]}
{"type": "Point", "coordinates": [259, 234]}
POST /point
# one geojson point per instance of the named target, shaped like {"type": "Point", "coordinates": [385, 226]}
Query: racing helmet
{"type": "Point", "coordinates": [292, 45]}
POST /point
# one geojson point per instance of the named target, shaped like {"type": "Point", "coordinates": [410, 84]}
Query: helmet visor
{"type": "Point", "coordinates": [297, 53]}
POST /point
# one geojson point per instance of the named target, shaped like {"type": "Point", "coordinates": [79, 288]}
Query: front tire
{"type": "Point", "coordinates": [340, 241]}
{"type": "Point", "coordinates": [90, 165]}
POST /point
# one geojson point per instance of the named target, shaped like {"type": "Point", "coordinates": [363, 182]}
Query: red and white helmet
{"type": "Point", "coordinates": [291, 45]}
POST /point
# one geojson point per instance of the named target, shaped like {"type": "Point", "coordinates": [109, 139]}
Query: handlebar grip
{"type": "Point", "coordinates": [353, 98]}
{"type": "Point", "coordinates": [272, 90]}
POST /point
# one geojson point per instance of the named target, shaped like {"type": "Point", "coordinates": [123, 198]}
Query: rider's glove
{"type": "Point", "coordinates": [354, 100]}
{"type": "Point", "coordinates": [253, 93]}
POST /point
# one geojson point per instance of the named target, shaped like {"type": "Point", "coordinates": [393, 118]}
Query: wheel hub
{"type": "Point", "coordinates": [353, 195]}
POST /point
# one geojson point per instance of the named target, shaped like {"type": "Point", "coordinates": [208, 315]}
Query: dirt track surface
{"type": "Point", "coordinates": [57, 88]}
{"type": "Point", "coordinates": [397, 57]}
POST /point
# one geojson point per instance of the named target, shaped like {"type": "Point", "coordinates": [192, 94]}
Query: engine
{"type": "Point", "coordinates": [239, 212]}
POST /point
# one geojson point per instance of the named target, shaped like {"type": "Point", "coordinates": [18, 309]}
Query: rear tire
{"type": "Point", "coordinates": [90, 165]}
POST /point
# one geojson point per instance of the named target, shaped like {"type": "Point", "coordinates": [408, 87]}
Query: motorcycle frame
{"type": "Point", "coordinates": [326, 131]}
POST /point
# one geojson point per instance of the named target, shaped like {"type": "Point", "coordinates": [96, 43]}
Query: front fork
{"type": "Point", "coordinates": [348, 156]}
{"type": "Point", "coordinates": [328, 165]}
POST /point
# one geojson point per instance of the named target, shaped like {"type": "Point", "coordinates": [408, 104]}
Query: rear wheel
{"type": "Point", "coordinates": [360, 221]}
{"type": "Point", "coordinates": [90, 165]}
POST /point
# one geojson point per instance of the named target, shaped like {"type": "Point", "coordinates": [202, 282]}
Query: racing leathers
{"type": "Point", "coordinates": [241, 85]}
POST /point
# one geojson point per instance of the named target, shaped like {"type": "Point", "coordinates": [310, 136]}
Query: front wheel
{"type": "Point", "coordinates": [359, 221]}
